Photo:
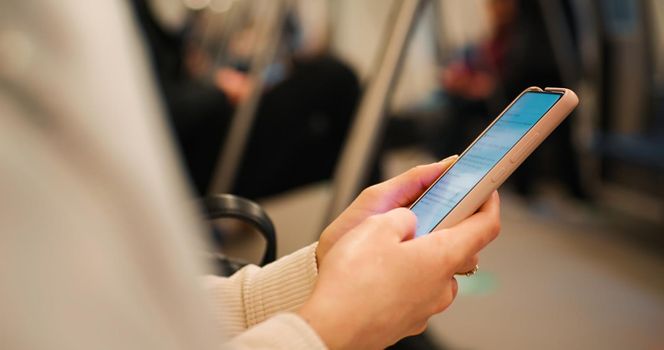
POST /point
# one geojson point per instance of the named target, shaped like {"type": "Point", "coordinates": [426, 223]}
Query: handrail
{"type": "Point", "coordinates": [269, 32]}
{"type": "Point", "coordinates": [364, 136]}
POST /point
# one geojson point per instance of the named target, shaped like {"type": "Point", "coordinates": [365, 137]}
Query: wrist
{"type": "Point", "coordinates": [321, 250]}
{"type": "Point", "coordinates": [333, 328]}
{"type": "Point", "coordinates": [317, 256]}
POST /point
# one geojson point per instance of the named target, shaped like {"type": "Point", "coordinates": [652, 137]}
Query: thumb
{"type": "Point", "coordinates": [404, 189]}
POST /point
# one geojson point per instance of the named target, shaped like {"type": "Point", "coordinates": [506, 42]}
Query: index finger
{"type": "Point", "coordinates": [466, 239]}
{"type": "Point", "coordinates": [473, 234]}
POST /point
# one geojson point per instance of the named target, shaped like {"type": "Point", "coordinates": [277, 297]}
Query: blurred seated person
{"type": "Point", "coordinates": [485, 77]}
{"type": "Point", "coordinates": [301, 121]}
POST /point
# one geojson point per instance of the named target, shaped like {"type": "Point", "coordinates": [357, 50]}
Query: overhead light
{"type": "Point", "coordinates": [220, 6]}
{"type": "Point", "coordinates": [196, 4]}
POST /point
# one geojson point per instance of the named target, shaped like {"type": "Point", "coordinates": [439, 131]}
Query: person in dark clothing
{"type": "Point", "coordinates": [471, 81]}
{"type": "Point", "coordinates": [530, 61]}
{"type": "Point", "coordinates": [299, 128]}
{"type": "Point", "coordinates": [518, 54]}
{"type": "Point", "coordinates": [198, 113]}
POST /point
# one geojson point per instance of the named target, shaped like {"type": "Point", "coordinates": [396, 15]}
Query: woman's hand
{"type": "Point", "coordinates": [400, 191]}
{"type": "Point", "coordinates": [376, 285]}
{"type": "Point", "coordinates": [236, 85]}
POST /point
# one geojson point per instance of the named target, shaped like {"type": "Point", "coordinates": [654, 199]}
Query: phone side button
{"type": "Point", "coordinates": [525, 149]}
{"type": "Point", "coordinates": [498, 175]}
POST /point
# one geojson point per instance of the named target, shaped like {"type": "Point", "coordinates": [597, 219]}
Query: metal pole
{"type": "Point", "coordinates": [231, 21]}
{"type": "Point", "coordinates": [269, 32]}
{"type": "Point", "coordinates": [558, 30]}
{"type": "Point", "coordinates": [360, 149]}
{"type": "Point", "coordinates": [442, 44]}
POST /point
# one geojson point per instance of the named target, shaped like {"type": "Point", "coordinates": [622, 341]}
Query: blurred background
{"type": "Point", "coordinates": [299, 104]}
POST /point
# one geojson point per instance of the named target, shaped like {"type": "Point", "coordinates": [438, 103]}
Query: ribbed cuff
{"type": "Point", "coordinates": [284, 331]}
{"type": "Point", "coordinates": [281, 286]}
{"type": "Point", "coordinates": [227, 302]}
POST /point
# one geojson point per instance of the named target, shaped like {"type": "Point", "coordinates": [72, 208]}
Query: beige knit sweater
{"type": "Point", "coordinates": [98, 245]}
{"type": "Point", "coordinates": [254, 295]}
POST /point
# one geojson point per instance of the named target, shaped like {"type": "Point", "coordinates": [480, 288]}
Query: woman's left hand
{"type": "Point", "coordinates": [397, 192]}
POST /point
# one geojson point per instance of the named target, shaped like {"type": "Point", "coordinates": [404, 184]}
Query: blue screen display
{"type": "Point", "coordinates": [484, 154]}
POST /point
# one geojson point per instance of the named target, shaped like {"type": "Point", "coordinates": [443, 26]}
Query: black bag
{"type": "Point", "coordinates": [231, 206]}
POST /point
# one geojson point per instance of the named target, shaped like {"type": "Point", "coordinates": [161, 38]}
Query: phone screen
{"type": "Point", "coordinates": [480, 158]}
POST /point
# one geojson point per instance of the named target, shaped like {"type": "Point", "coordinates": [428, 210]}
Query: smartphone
{"type": "Point", "coordinates": [492, 157]}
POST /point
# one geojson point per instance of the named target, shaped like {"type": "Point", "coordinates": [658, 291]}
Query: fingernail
{"type": "Point", "coordinates": [454, 157]}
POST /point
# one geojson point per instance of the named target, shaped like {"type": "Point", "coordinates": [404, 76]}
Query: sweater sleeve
{"type": "Point", "coordinates": [285, 331]}
{"type": "Point", "coordinates": [254, 294]}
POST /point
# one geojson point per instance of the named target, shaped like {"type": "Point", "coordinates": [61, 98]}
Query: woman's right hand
{"type": "Point", "coordinates": [377, 285]}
